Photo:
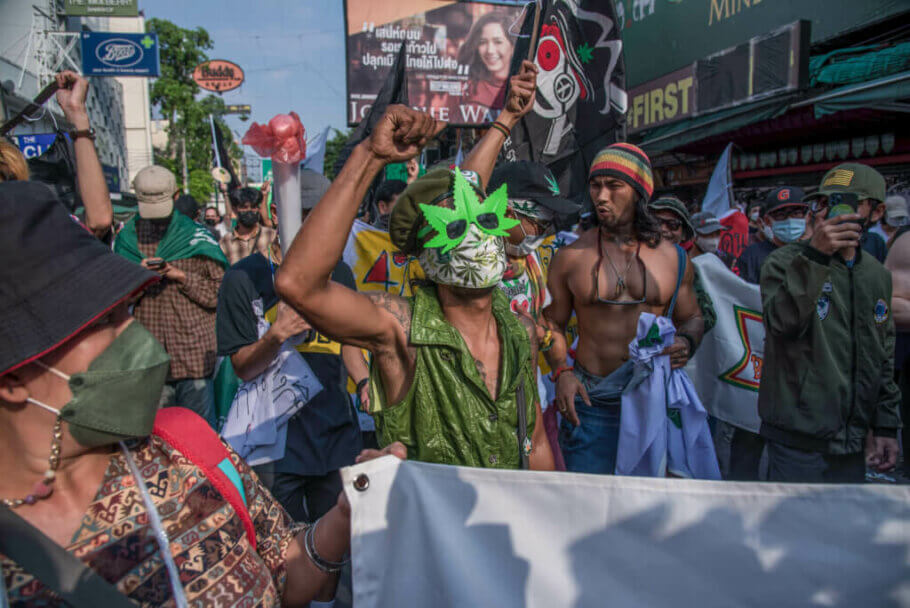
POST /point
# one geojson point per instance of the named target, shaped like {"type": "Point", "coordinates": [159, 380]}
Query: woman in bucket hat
{"type": "Point", "coordinates": [128, 506]}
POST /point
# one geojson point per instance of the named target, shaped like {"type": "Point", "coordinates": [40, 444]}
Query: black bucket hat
{"type": "Point", "coordinates": [56, 278]}
{"type": "Point", "coordinates": [534, 181]}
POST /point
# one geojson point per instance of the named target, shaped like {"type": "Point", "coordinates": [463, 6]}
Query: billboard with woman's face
{"type": "Point", "coordinates": [458, 55]}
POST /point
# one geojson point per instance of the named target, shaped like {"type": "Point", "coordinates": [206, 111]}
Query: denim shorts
{"type": "Point", "coordinates": [591, 446]}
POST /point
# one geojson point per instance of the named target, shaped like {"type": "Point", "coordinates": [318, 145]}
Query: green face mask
{"type": "Point", "coordinates": [117, 397]}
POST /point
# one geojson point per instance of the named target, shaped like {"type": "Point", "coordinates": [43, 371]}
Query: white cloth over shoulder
{"type": "Point", "coordinates": [438, 536]}
{"type": "Point", "coordinates": [257, 424]}
{"type": "Point", "coordinates": [663, 426]}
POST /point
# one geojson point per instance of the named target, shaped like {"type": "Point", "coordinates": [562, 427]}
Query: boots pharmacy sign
{"type": "Point", "coordinates": [101, 8]}
{"type": "Point", "coordinates": [218, 75]}
{"type": "Point", "coordinates": [119, 54]}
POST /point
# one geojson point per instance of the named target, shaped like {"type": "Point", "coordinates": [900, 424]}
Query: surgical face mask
{"type": "Point", "coordinates": [477, 262]}
{"type": "Point", "coordinates": [708, 244]}
{"type": "Point", "coordinates": [528, 245]}
{"type": "Point", "coordinates": [789, 230]}
{"type": "Point", "coordinates": [117, 397]}
{"type": "Point", "coordinates": [248, 218]}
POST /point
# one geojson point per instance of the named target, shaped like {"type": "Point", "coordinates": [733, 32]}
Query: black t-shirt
{"type": "Point", "coordinates": [748, 265]}
{"type": "Point", "coordinates": [324, 435]}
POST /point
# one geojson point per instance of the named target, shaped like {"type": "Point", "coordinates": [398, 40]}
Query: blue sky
{"type": "Point", "coordinates": [292, 52]}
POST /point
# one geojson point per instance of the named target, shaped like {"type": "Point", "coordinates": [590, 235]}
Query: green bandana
{"type": "Point", "coordinates": [451, 225]}
{"type": "Point", "coordinates": [184, 239]}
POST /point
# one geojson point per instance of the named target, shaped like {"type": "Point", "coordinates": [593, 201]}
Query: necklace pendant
{"type": "Point", "coordinates": [620, 285]}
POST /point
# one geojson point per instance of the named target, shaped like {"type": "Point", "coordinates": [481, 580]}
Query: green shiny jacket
{"type": "Point", "coordinates": [448, 416]}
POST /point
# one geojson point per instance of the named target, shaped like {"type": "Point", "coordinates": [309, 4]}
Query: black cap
{"type": "Point", "coordinates": [56, 278]}
{"type": "Point", "coordinates": [785, 196]}
{"type": "Point", "coordinates": [533, 181]}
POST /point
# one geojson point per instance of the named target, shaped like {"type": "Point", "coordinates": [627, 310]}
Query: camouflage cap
{"type": "Point", "coordinates": [861, 180]}
{"type": "Point", "coordinates": [407, 218]}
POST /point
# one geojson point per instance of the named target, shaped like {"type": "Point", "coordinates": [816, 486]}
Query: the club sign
{"type": "Point", "coordinates": [218, 75]}
{"type": "Point", "coordinates": [119, 54]}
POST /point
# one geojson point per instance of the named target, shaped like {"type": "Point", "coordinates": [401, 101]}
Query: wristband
{"type": "Point", "coordinates": [88, 133]}
{"type": "Point", "coordinates": [309, 543]}
{"type": "Point", "coordinates": [565, 368]}
{"type": "Point", "coordinates": [546, 342]}
{"type": "Point", "coordinates": [362, 384]}
{"type": "Point", "coordinates": [506, 131]}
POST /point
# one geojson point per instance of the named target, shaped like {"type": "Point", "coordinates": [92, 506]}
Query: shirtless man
{"type": "Point", "coordinates": [452, 374]}
{"type": "Point", "coordinates": [609, 276]}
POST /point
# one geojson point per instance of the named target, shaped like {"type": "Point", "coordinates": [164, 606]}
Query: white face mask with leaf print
{"type": "Point", "coordinates": [478, 262]}
{"type": "Point", "coordinates": [467, 249]}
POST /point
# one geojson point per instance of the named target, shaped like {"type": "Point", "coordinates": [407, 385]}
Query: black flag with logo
{"type": "Point", "coordinates": [581, 98]}
{"type": "Point", "coordinates": [394, 91]}
{"type": "Point", "coordinates": [224, 158]}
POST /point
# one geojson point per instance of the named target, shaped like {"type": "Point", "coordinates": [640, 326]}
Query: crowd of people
{"type": "Point", "coordinates": [114, 337]}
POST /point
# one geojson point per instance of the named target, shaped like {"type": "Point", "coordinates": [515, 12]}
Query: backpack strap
{"type": "Point", "coordinates": [522, 402]}
{"type": "Point", "coordinates": [191, 435]}
{"type": "Point", "coordinates": [681, 263]}
{"type": "Point", "coordinates": [60, 571]}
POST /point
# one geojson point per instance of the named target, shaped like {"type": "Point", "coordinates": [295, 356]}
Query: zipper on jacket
{"type": "Point", "coordinates": [852, 354]}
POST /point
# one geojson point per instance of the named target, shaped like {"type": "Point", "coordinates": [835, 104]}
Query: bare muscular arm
{"type": "Point", "coordinates": [304, 278]}
{"type": "Point", "coordinates": [522, 89]}
{"type": "Point", "coordinates": [557, 315]}
{"type": "Point", "coordinates": [898, 262]}
{"type": "Point", "coordinates": [687, 319]}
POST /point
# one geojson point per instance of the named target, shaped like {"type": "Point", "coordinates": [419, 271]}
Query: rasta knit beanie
{"type": "Point", "coordinates": [628, 163]}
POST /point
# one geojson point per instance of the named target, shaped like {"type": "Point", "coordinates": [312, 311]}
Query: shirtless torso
{"type": "Point", "coordinates": [605, 330]}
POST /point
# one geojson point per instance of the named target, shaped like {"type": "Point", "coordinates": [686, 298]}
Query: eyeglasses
{"type": "Point", "coordinates": [671, 224]}
{"type": "Point", "coordinates": [787, 213]}
{"type": "Point", "coordinates": [620, 280]}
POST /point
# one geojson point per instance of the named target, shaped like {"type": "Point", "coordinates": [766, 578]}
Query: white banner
{"type": "Point", "coordinates": [726, 369]}
{"type": "Point", "coordinates": [434, 536]}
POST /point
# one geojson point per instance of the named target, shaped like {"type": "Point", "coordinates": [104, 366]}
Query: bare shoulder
{"type": "Point", "coordinates": [397, 306]}
{"type": "Point", "coordinates": [898, 259]}
{"type": "Point", "coordinates": [531, 328]}
{"type": "Point", "coordinates": [586, 240]}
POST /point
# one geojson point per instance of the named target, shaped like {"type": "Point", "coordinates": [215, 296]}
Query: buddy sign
{"type": "Point", "coordinates": [119, 54]}
{"type": "Point", "coordinates": [218, 75]}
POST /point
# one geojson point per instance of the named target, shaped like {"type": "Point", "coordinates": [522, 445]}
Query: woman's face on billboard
{"type": "Point", "coordinates": [495, 50]}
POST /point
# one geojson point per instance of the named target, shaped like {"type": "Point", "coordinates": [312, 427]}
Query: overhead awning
{"type": "Point", "coordinates": [686, 131]}
{"type": "Point", "coordinates": [891, 93]}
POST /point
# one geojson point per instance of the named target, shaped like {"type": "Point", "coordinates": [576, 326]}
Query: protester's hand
{"type": "Point", "coordinates": [395, 449]}
{"type": "Point", "coordinates": [567, 386]}
{"type": "Point", "coordinates": [71, 97]}
{"type": "Point", "coordinates": [364, 395]}
{"type": "Point", "coordinates": [539, 328]}
{"type": "Point", "coordinates": [679, 352]}
{"type": "Point", "coordinates": [266, 186]}
{"type": "Point", "coordinates": [522, 93]}
{"type": "Point", "coordinates": [166, 271]}
{"type": "Point", "coordinates": [288, 323]}
{"type": "Point", "coordinates": [401, 133]}
{"type": "Point", "coordinates": [841, 232]}
{"type": "Point", "coordinates": [883, 454]}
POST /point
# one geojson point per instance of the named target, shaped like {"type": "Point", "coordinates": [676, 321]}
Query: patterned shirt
{"type": "Point", "coordinates": [181, 317]}
{"type": "Point", "coordinates": [265, 241]}
{"type": "Point", "coordinates": [217, 564]}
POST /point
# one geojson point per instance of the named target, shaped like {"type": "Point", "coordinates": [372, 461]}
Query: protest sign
{"type": "Point", "coordinates": [437, 535]}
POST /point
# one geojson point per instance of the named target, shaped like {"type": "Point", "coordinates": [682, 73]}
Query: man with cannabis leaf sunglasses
{"type": "Point", "coordinates": [453, 370]}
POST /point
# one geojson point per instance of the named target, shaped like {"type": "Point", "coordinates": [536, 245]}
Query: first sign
{"type": "Point", "coordinates": [119, 54]}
